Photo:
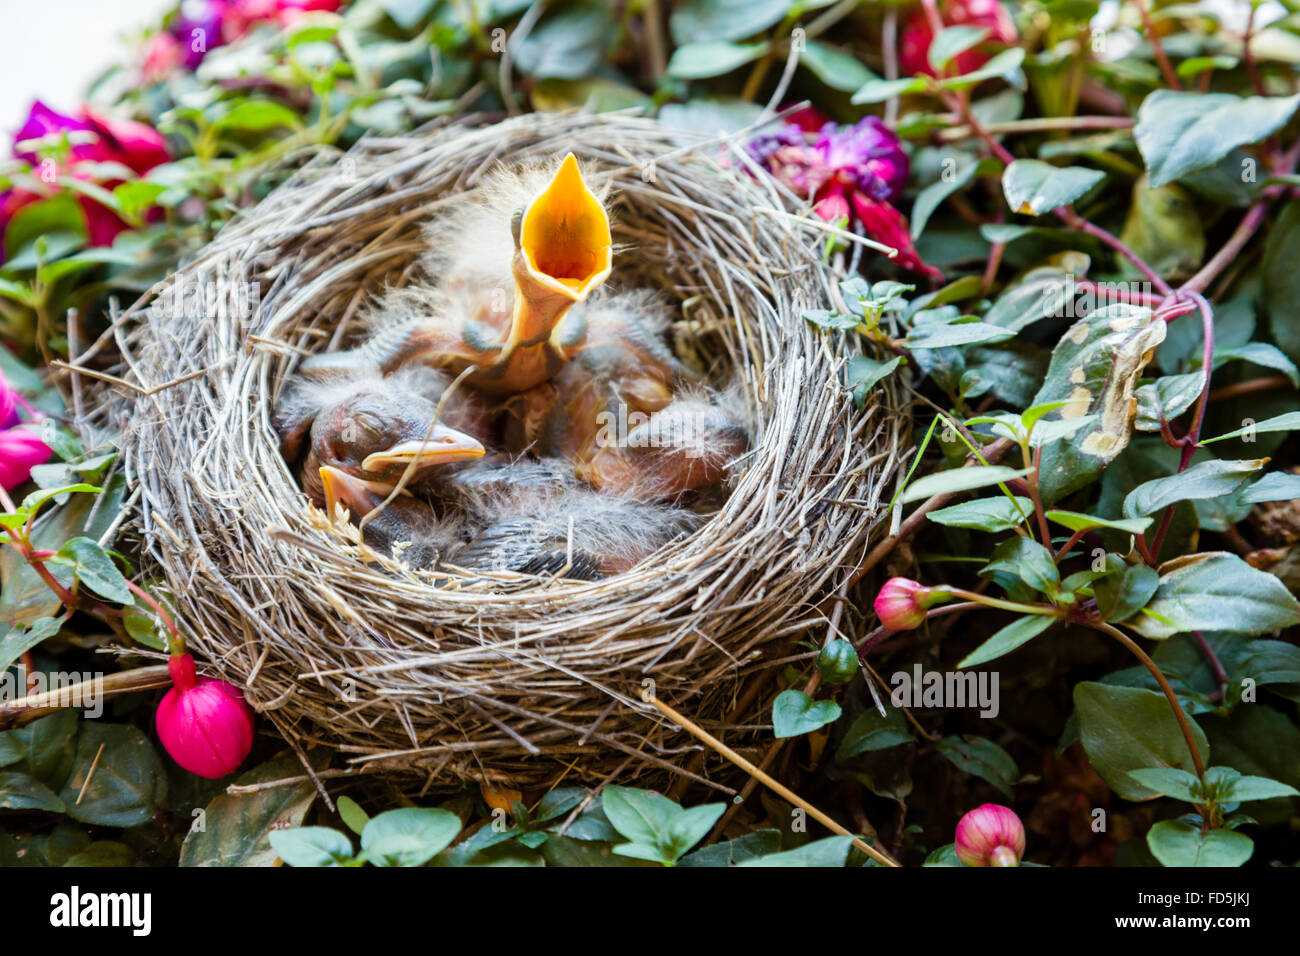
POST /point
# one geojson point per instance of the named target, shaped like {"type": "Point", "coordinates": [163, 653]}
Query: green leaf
{"type": "Point", "coordinates": [257, 116]}
{"type": "Point", "coordinates": [697, 21]}
{"type": "Point", "coordinates": [863, 373]}
{"type": "Point", "coordinates": [128, 784]}
{"type": "Point", "coordinates": [1120, 596]}
{"type": "Point", "coordinates": [877, 91]}
{"type": "Point", "coordinates": [945, 855]}
{"type": "Point", "coordinates": [17, 640]}
{"type": "Point", "coordinates": [1167, 397]}
{"type": "Point", "coordinates": [795, 713]}
{"type": "Point", "coordinates": [696, 61]}
{"type": "Point", "coordinates": [1216, 591]}
{"type": "Point", "coordinates": [1096, 366]}
{"type": "Point", "coordinates": [410, 836]}
{"type": "Point", "coordinates": [1033, 187]}
{"type": "Point", "coordinates": [1179, 133]}
{"type": "Point", "coordinates": [1259, 353]}
{"type": "Point", "coordinates": [1281, 283]}
{"type": "Point", "coordinates": [656, 828]}
{"type": "Point", "coordinates": [1018, 632]}
{"type": "Point", "coordinates": [1027, 560]}
{"type": "Point", "coordinates": [352, 814]}
{"type": "Point", "coordinates": [828, 319]}
{"type": "Point", "coordinates": [37, 498]}
{"type": "Point", "coordinates": [932, 196]}
{"type": "Point", "coordinates": [18, 791]}
{"type": "Point", "coordinates": [96, 570]}
{"type": "Point", "coordinates": [952, 41]}
{"type": "Point", "coordinates": [966, 331]}
{"type": "Point", "coordinates": [1169, 781]}
{"type": "Point", "coordinates": [1127, 728]}
{"type": "Point", "coordinates": [1004, 66]}
{"type": "Point", "coordinates": [837, 69]}
{"type": "Point", "coordinates": [237, 826]}
{"type": "Point", "coordinates": [1179, 843]}
{"type": "Point", "coordinates": [312, 846]}
{"type": "Point", "coordinates": [1275, 486]}
{"type": "Point", "coordinates": [870, 732]}
{"type": "Point", "coordinates": [1279, 423]}
{"type": "Point", "coordinates": [735, 852]}
{"type": "Point", "coordinates": [1165, 228]}
{"type": "Point", "coordinates": [981, 757]}
{"type": "Point", "coordinates": [831, 851]}
{"type": "Point", "coordinates": [960, 479]}
{"type": "Point", "coordinates": [985, 514]}
{"type": "Point", "coordinates": [1081, 522]}
{"type": "Point", "coordinates": [1232, 787]}
{"type": "Point", "coordinates": [1209, 479]}
{"type": "Point", "coordinates": [51, 745]}
{"type": "Point", "coordinates": [569, 43]}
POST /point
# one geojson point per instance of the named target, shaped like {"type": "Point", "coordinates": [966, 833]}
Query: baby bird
{"type": "Point", "coordinates": [510, 263]}
{"type": "Point", "coordinates": [623, 368]}
{"type": "Point", "coordinates": [406, 528]}
{"type": "Point", "coordinates": [683, 447]}
{"type": "Point", "coordinates": [375, 427]}
{"type": "Point", "coordinates": [535, 518]}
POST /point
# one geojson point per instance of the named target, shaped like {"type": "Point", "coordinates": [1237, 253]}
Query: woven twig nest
{"type": "Point", "coordinates": [483, 678]}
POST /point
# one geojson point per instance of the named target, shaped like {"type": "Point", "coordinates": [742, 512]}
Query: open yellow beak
{"type": "Point", "coordinates": [355, 494]}
{"type": "Point", "coordinates": [443, 447]}
{"type": "Point", "coordinates": [564, 236]}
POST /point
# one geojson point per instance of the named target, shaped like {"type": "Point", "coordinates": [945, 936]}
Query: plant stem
{"type": "Point", "coordinates": [1150, 665]}
{"type": "Point", "coordinates": [987, 601]}
{"type": "Point", "coordinates": [1166, 67]}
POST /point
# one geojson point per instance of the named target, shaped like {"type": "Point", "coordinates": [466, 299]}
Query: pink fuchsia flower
{"type": "Point", "coordinates": [901, 603]}
{"type": "Point", "coordinates": [205, 724]}
{"type": "Point", "coordinates": [10, 401]}
{"type": "Point", "coordinates": [852, 173]}
{"type": "Point", "coordinates": [990, 835]}
{"type": "Point", "coordinates": [20, 450]}
{"type": "Point", "coordinates": [90, 138]}
{"type": "Point", "coordinates": [163, 55]}
{"type": "Point", "coordinates": [914, 47]}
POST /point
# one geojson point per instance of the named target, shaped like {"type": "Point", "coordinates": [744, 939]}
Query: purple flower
{"type": "Point", "coordinates": [870, 153]}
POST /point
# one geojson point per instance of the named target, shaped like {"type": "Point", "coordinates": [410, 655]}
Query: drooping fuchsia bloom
{"type": "Point", "coordinates": [914, 46]}
{"type": "Point", "coordinates": [990, 835]}
{"type": "Point", "coordinates": [851, 173]}
{"type": "Point", "coordinates": [20, 448]}
{"type": "Point", "coordinates": [90, 138]}
{"type": "Point", "coordinates": [901, 603]}
{"type": "Point", "coordinates": [205, 724]}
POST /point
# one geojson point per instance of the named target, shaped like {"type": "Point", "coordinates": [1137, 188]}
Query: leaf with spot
{"type": "Point", "coordinates": [1096, 367]}
{"type": "Point", "coordinates": [1033, 187]}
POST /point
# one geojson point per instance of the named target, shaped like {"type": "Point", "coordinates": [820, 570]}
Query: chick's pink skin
{"type": "Point", "coordinates": [205, 725]}
{"type": "Point", "coordinates": [990, 835]}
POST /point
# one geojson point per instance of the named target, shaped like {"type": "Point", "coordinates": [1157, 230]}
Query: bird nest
{"type": "Point", "coordinates": [499, 678]}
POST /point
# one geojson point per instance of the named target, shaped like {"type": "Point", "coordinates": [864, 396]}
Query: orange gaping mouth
{"type": "Point", "coordinates": [565, 235]}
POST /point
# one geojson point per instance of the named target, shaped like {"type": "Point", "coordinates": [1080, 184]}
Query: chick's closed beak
{"type": "Point", "coordinates": [443, 446]}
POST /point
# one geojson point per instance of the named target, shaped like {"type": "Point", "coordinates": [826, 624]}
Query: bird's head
{"type": "Point", "coordinates": [377, 436]}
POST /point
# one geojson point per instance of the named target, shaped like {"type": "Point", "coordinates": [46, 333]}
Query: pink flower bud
{"type": "Point", "coordinates": [206, 725]}
{"type": "Point", "coordinates": [20, 449]}
{"type": "Point", "coordinates": [9, 401]}
{"type": "Point", "coordinates": [990, 835]}
{"type": "Point", "coordinates": [902, 603]}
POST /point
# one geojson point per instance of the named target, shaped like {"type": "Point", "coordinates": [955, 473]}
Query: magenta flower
{"type": "Point", "coordinates": [90, 138]}
{"type": "Point", "coordinates": [10, 401]}
{"type": "Point", "coordinates": [206, 725]}
{"type": "Point", "coordinates": [990, 835]}
{"type": "Point", "coordinates": [20, 449]}
{"type": "Point", "coordinates": [204, 25]}
{"type": "Point", "coordinates": [850, 173]}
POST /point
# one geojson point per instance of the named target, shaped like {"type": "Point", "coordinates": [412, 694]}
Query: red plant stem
{"type": "Point", "coordinates": [1216, 666]}
{"type": "Point", "coordinates": [1037, 499]}
{"type": "Point", "coordinates": [1251, 70]}
{"type": "Point", "coordinates": [1150, 665]}
{"type": "Point", "coordinates": [1073, 540]}
{"type": "Point", "coordinates": [1167, 68]}
{"type": "Point", "coordinates": [1250, 387]}
{"type": "Point", "coordinates": [1119, 295]}
{"type": "Point", "coordinates": [177, 643]}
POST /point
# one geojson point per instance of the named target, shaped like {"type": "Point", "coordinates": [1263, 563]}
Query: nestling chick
{"type": "Point", "coordinates": [507, 263]}
{"type": "Point", "coordinates": [374, 427]}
